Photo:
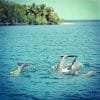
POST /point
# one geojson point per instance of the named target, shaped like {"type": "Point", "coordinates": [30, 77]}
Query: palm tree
{"type": "Point", "coordinates": [31, 10]}
{"type": "Point", "coordinates": [49, 12]}
{"type": "Point", "coordinates": [43, 11]}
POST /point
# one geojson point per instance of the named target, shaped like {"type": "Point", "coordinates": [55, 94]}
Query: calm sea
{"type": "Point", "coordinates": [42, 46]}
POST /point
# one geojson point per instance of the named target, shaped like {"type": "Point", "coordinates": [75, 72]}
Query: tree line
{"type": "Point", "coordinates": [11, 13]}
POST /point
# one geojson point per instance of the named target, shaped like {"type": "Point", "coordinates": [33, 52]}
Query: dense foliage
{"type": "Point", "coordinates": [11, 13]}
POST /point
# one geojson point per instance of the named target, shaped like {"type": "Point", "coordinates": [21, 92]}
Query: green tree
{"type": "Point", "coordinates": [21, 14]}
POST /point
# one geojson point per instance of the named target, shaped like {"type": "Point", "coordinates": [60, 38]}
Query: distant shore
{"type": "Point", "coordinates": [9, 24]}
{"type": "Point", "coordinates": [69, 22]}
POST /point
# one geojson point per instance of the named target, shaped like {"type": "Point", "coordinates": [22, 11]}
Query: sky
{"type": "Point", "coordinates": [70, 9]}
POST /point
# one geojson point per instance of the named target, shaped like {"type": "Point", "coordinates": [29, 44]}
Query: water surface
{"type": "Point", "coordinates": [42, 46]}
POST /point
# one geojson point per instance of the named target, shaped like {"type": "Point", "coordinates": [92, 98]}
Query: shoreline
{"type": "Point", "coordinates": [19, 24]}
{"type": "Point", "coordinates": [71, 22]}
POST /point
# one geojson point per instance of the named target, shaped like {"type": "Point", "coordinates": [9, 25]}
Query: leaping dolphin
{"type": "Point", "coordinates": [68, 69]}
{"type": "Point", "coordinates": [19, 69]}
{"type": "Point", "coordinates": [73, 68]}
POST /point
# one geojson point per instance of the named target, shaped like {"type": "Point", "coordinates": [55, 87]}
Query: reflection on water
{"type": "Point", "coordinates": [42, 46]}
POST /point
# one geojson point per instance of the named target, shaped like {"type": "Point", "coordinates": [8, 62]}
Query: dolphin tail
{"type": "Point", "coordinates": [24, 64]}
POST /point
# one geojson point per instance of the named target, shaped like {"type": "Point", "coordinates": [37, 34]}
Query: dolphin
{"type": "Point", "coordinates": [73, 68]}
{"type": "Point", "coordinates": [89, 73]}
{"type": "Point", "coordinates": [19, 69]}
{"type": "Point", "coordinates": [69, 68]}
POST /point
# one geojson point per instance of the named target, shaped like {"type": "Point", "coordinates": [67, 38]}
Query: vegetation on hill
{"type": "Point", "coordinates": [11, 13]}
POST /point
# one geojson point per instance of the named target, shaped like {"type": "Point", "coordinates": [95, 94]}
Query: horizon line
{"type": "Point", "coordinates": [81, 19]}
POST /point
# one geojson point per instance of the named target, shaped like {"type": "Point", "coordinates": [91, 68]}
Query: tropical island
{"type": "Point", "coordinates": [17, 14]}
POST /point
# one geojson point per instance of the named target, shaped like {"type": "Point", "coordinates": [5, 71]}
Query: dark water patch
{"type": "Point", "coordinates": [55, 78]}
{"type": "Point", "coordinates": [27, 76]}
{"type": "Point", "coordinates": [38, 82]}
{"type": "Point", "coordinates": [46, 77]}
{"type": "Point", "coordinates": [21, 96]}
{"type": "Point", "coordinates": [47, 82]}
{"type": "Point", "coordinates": [23, 89]}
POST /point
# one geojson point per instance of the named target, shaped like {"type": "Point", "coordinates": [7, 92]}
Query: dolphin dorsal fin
{"type": "Point", "coordinates": [19, 64]}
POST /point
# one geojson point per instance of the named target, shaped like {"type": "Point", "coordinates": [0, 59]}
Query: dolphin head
{"type": "Point", "coordinates": [64, 56]}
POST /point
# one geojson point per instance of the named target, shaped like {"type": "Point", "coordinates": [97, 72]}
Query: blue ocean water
{"type": "Point", "coordinates": [42, 46]}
